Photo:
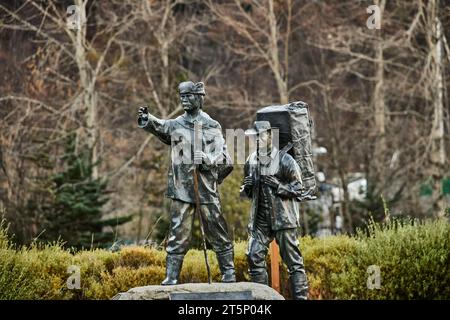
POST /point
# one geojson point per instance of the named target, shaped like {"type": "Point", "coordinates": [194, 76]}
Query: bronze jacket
{"type": "Point", "coordinates": [179, 134]}
{"type": "Point", "coordinates": [284, 206]}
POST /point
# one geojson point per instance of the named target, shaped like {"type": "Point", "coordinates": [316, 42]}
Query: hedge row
{"type": "Point", "coordinates": [413, 259]}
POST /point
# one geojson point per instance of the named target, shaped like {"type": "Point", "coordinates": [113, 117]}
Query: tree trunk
{"type": "Point", "coordinates": [345, 203]}
{"type": "Point", "coordinates": [165, 72]}
{"type": "Point", "coordinates": [379, 111]}
{"type": "Point", "coordinates": [437, 155]}
{"type": "Point", "coordinates": [275, 64]}
{"type": "Point", "coordinates": [89, 96]}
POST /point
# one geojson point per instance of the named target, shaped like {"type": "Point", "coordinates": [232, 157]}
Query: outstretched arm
{"type": "Point", "coordinates": [159, 127]}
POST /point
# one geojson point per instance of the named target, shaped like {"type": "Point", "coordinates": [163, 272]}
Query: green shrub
{"type": "Point", "coordinates": [34, 273]}
{"type": "Point", "coordinates": [413, 257]}
{"type": "Point", "coordinates": [324, 258]}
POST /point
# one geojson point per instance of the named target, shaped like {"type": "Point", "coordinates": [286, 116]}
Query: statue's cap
{"type": "Point", "coordinates": [258, 127]}
{"type": "Point", "coordinates": [191, 87]}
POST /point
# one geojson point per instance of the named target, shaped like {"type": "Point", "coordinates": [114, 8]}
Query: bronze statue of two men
{"type": "Point", "coordinates": [199, 163]}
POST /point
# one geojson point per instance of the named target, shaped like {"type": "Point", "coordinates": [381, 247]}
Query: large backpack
{"type": "Point", "coordinates": [294, 126]}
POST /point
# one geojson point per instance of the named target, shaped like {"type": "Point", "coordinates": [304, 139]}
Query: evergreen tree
{"type": "Point", "coordinates": [75, 213]}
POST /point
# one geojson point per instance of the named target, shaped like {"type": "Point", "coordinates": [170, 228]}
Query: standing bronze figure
{"type": "Point", "coordinates": [273, 181]}
{"type": "Point", "coordinates": [211, 164]}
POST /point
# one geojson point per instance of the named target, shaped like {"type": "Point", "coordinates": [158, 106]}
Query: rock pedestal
{"type": "Point", "coordinates": [205, 291]}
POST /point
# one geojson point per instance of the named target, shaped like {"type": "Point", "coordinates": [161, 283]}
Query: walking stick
{"type": "Point", "coordinates": [197, 208]}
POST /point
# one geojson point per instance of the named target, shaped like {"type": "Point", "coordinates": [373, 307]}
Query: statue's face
{"type": "Point", "coordinates": [265, 140]}
{"type": "Point", "coordinates": [190, 102]}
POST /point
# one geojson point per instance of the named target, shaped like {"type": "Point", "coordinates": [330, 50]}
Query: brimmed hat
{"type": "Point", "coordinates": [191, 87]}
{"type": "Point", "coordinates": [258, 127]}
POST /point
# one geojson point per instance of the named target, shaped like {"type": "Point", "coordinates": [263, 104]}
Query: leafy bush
{"type": "Point", "coordinates": [35, 273]}
{"type": "Point", "coordinates": [413, 257]}
{"type": "Point", "coordinates": [324, 258]}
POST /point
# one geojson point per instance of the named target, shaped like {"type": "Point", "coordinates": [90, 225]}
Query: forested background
{"type": "Point", "coordinates": [74, 165]}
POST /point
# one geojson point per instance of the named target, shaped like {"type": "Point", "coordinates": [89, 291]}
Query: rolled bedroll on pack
{"type": "Point", "coordinates": [294, 126]}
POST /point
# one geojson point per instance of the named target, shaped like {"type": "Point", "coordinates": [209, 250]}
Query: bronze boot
{"type": "Point", "coordinates": [173, 268]}
{"type": "Point", "coordinates": [299, 286]}
{"type": "Point", "coordinates": [259, 275]}
{"type": "Point", "coordinates": [226, 265]}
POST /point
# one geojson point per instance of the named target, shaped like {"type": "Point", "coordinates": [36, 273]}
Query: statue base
{"type": "Point", "coordinates": [202, 291]}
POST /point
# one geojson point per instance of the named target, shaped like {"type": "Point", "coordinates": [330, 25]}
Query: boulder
{"type": "Point", "coordinates": [214, 291]}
